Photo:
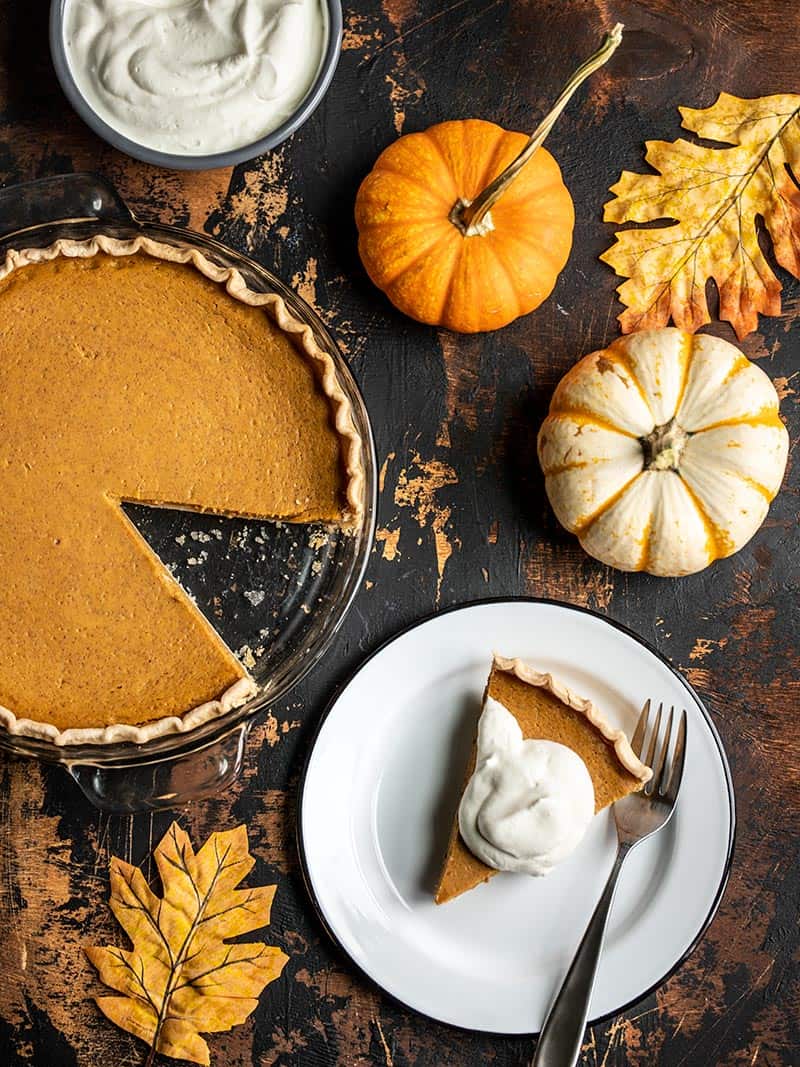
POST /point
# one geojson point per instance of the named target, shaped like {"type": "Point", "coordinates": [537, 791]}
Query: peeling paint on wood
{"type": "Point", "coordinates": [462, 514]}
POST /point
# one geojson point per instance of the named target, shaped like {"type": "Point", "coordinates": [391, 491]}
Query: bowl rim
{"type": "Point", "coordinates": [173, 161]}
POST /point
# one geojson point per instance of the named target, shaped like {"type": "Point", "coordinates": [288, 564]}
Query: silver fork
{"type": "Point", "coordinates": [637, 817]}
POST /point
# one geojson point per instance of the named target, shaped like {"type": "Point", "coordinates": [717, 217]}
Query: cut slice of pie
{"type": "Point", "coordinates": [138, 371]}
{"type": "Point", "coordinates": [546, 709]}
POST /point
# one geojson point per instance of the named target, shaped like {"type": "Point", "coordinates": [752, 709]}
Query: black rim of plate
{"type": "Point", "coordinates": [304, 866]}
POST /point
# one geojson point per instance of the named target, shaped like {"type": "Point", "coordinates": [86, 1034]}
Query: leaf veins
{"type": "Point", "coordinates": [183, 976]}
{"type": "Point", "coordinates": [714, 196]}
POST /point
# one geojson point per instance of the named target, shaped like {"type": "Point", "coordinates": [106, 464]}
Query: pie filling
{"type": "Point", "coordinates": [128, 375]}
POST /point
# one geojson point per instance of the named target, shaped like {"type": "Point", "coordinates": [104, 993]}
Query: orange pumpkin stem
{"type": "Point", "coordinates": [471, 218]}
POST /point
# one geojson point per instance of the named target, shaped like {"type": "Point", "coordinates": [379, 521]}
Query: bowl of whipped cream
{"type": "Point", "coordinates": [195, 84]}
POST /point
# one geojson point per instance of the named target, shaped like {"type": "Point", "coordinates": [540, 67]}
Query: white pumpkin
{"type": "Point", "coordinates": [663, 451]}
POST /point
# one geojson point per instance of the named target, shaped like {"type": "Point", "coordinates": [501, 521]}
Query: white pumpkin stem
{"type": "Point", "coordinates": [470, 216]}
{"type": "Point", "coordinates": [664, 446]}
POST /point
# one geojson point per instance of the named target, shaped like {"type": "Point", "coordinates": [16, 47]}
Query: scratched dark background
{"type": "Point", "coordinates": [462, 516]}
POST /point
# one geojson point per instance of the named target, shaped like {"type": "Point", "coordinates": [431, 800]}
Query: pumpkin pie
{"type": "Point", "coordinates": [138, 371]}
{"type": "Point", "coordinates": [547, 710]}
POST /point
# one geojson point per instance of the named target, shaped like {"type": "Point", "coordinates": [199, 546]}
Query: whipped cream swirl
{"type": "Point", "coordinates": [194, 77]}
{"type": "Point", "coordinates": [528, 803]}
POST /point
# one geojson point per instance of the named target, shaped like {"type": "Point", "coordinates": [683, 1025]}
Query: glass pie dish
{"type": "Point", "coordinates": [276, 593]}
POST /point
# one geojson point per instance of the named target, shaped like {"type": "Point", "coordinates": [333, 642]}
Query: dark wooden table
{"type": "Point", "coordinates": [462, 516]}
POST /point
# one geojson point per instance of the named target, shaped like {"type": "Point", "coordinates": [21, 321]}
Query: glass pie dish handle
{"type": "Point", "coordinates": [155, 783]}
{"type": "Point", "coordinates": [65, 197]}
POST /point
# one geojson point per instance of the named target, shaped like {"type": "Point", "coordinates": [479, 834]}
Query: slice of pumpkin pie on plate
{"type": "Point", "coordinates": [544, 761]}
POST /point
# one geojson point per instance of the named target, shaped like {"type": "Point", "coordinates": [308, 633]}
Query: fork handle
{"type": "Point", "coordinates": [560, 1041]}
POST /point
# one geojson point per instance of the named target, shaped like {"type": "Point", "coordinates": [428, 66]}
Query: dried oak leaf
{"type": "Point", "coordinates": [182, 977]}
{"type": "Point", "coordinates": [715, 195]}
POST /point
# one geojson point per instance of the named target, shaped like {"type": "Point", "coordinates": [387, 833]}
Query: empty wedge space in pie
{"type": "Point", "coordinates": [138, 371]}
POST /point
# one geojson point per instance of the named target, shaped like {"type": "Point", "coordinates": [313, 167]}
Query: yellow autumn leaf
{"type": "Point", "coordinates": [182, 977]}
{"type": "Point", "coordinates": [715, 195]}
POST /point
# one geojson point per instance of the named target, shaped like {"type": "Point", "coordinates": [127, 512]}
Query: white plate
{"type": "Point", "coordinates": [381, 786]}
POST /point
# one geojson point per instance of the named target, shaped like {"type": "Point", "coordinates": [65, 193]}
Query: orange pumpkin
{"type": "Point", "coordinates": [467, 225]}
{"type": "Point", "coordinates": [431, 267]}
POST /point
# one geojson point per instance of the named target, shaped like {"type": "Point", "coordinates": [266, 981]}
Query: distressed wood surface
{"type": "Point", "coordinates": [462, 516]}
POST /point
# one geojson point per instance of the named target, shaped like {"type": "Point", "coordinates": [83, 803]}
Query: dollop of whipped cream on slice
{"type": "Point", "coordinates": [528, 803]}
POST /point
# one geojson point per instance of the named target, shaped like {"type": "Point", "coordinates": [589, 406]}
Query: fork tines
{"type": "Point", "coordinates": [667, 771]}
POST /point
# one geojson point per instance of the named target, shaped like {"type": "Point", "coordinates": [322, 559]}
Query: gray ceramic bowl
{"type": "Point", "coordinates": [218, 159]}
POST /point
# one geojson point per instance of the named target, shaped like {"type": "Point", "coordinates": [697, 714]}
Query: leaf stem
{"type": "Point", "coordinates": [471, 218]}
{"type": "Point", "coordinates": [180, 959]}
